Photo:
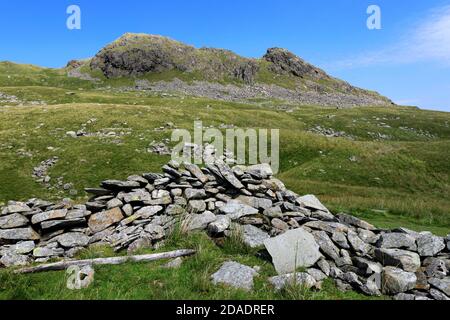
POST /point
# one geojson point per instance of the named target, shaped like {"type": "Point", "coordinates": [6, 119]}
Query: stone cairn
{"type": "Point", "coordinates": [297, 231]}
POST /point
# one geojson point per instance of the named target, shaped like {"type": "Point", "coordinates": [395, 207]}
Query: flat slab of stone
{"type": "Point", "coordinates": [236, 275]}
{"type": "Point", "coordinates": [19, 234]}
{"type": "Point", "coordinates": [292, 250]}
{"type": "Point", "coordinates": [254, 237]}
{"type": "Point", "coordinates": [102, 220]}
{"type": "Point", "coordinates": [236, 209]}
{"type": "Point", "coordinates": [49, 215]}
{"type": "Point", "coordinates": [311, 202]}
{"type": "Point", "coordinates": [14, 220]}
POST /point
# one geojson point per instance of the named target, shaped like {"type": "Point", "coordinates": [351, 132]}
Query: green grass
{"type": "Point", "coordinates": [151, 281]}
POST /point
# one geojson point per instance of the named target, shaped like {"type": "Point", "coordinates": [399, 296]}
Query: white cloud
{"type": "Point", "coordinates": [427, 40]}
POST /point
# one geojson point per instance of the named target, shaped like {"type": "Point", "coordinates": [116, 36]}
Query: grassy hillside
{"type": "Point", "coordinates": [390, 167]}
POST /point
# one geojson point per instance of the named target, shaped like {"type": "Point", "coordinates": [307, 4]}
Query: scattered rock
{"type": "Point", "coordinates": [235, 275]}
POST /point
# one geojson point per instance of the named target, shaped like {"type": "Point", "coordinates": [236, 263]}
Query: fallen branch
{"type": "Point", "coordinates": [62, 265]}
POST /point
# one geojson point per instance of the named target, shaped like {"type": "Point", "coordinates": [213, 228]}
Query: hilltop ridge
{"type": "Point", "coordinates": [210, 72]}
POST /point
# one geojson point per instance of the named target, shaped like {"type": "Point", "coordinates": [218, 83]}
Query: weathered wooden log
{"type": "Point", "coordinates": [62, 265]}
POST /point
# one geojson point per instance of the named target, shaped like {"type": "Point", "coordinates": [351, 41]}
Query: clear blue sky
{"type": "Point", "coordinates": [407, 60]}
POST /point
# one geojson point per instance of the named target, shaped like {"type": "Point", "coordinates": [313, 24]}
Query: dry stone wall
{"type": "Point", "coordinates": [297, 231]}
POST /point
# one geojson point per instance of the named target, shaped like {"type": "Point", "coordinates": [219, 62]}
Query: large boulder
{"type": "Point", "coordinates": [199, 221]}
{"type": "Point", "coordinates": [293, 249]}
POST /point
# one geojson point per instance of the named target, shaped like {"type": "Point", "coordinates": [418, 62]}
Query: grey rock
{"type": "Point", "coordinates": [396, 280]}
{"type": "Point", "coordinates": [429, 245]}
{"type": "Point", "coordinates": [435, 268]}
{"type": "Point", "coordinates": [311, 202]}
{"type": "Point", "coordinates": [262, 171]}
{"type": "Point", "coordinates": [191, 194]}
{"type": "Point", "coordinates": [72, 239]}
{"type": "Point", "coordinates": [407, 260]}
{"type": "Point", "coordinates": [366, 266]}
{"type": "Point", "coordinates": [11, 259]}
{"type": "Point", "coordinates": [49, 215]}
{"type": "Point", "coordinates": [147, 212]}
{"type": "Point", "coordinates": [293, 249]}
{"type": "Point", "coordinates": [274, 184]}
{"type": "Point", "coordinates": [23, 247]}
{"type": "Point", "coordinates": [41, 252]}
{"type": "Point", "coordinates": [15, 207]}
{"type": "Point", "coordinates": [279, 224]}
{"type": "Point", "coordinates": [77, 213]}
{"type": "Point", "coordinates": [329, 227]}
{"type": "Point", "coordinates": [140, 243]}
{"type": "Point", "coordinates": [114, 203]}
{"type": "Point", "coordinates": [438, 295]}
{"type": "Point", "coordinates": [102, 220]}
{"type": "Point", "coordinates": [326, 245]}
{"type": "Point", "coordinates": [128, 209]}
{"type": "Point", "coordinates": [302, 279]}
{"type": "Point", "coordinates": [14, 220]}
{"type": "Point", "coordinates": [316, 274]}
{"type": "Point", "coordinates": [404, 297]}
{"type": "Point", "coordinates": [196, 206]}
{"type": "Point", "coordinates": [221, 224]}
{"type": "Point", "coordinates": [235, 275]}
{"type": "Point", "coordinates": [199, 221]}
{"type": "Point", "coordinates": [356, 222]}
{"type": "Point", "coordinates": [397, 240]}
{"type": "Point", "coordinates": [324, 266]}
{"type": "Point", "coordinates": [253, 236]}
{"type": "Point", "coordinates": [441, 284]}
{"type": "Point", "coordinates": [62, 224]}
{"type": "Point", "coordinates": [196, 172]}
{"type": "Point", "coordinates": [368, 236]}
{"type": "Point", "coordinates": [236, 209]}
{"type": "Point", "coordinates": [340, 239]}
{"type": "Point", "coordinates": [156, 231]}
{"type": "Point", "coordinates": [120, 185]}
{"type": "Point", "coordinates": [357, 244]}
{"type": "Point", "coordinates": [273, 212]}
{"type": "Point", "coordinates": [19, 234]}
{"type": "Point", "coordinates": [255, 202]}
{"type": "Point", "coordinates": [174, 263]}
{"type": "Point", "coordinates": [175, 210]}
{"type": "Point", "coordinates": [137, 196]}
{"type": "Point", "coordinates": [228, 174]}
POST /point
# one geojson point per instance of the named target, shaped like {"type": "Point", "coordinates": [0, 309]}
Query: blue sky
{"type": "Point", "coordinates": [407, 60]}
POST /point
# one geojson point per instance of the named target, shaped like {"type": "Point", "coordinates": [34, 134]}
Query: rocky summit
{"type": "Point", "coordinates": [160, 64]}
{"type": "Point", "coordinates": [296, 231]}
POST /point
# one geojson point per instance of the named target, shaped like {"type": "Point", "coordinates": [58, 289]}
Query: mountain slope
{"type": "Point", "coordinates": [279, 74]}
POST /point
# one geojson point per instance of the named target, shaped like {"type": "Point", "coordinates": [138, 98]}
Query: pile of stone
{"type": "Point", "coordinates": [297, 231]}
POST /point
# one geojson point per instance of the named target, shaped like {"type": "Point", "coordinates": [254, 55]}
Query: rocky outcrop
{"type": "Point", "coordinates": [297, 231]}
{"type": "Point", "coordinates": [205, 70]}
